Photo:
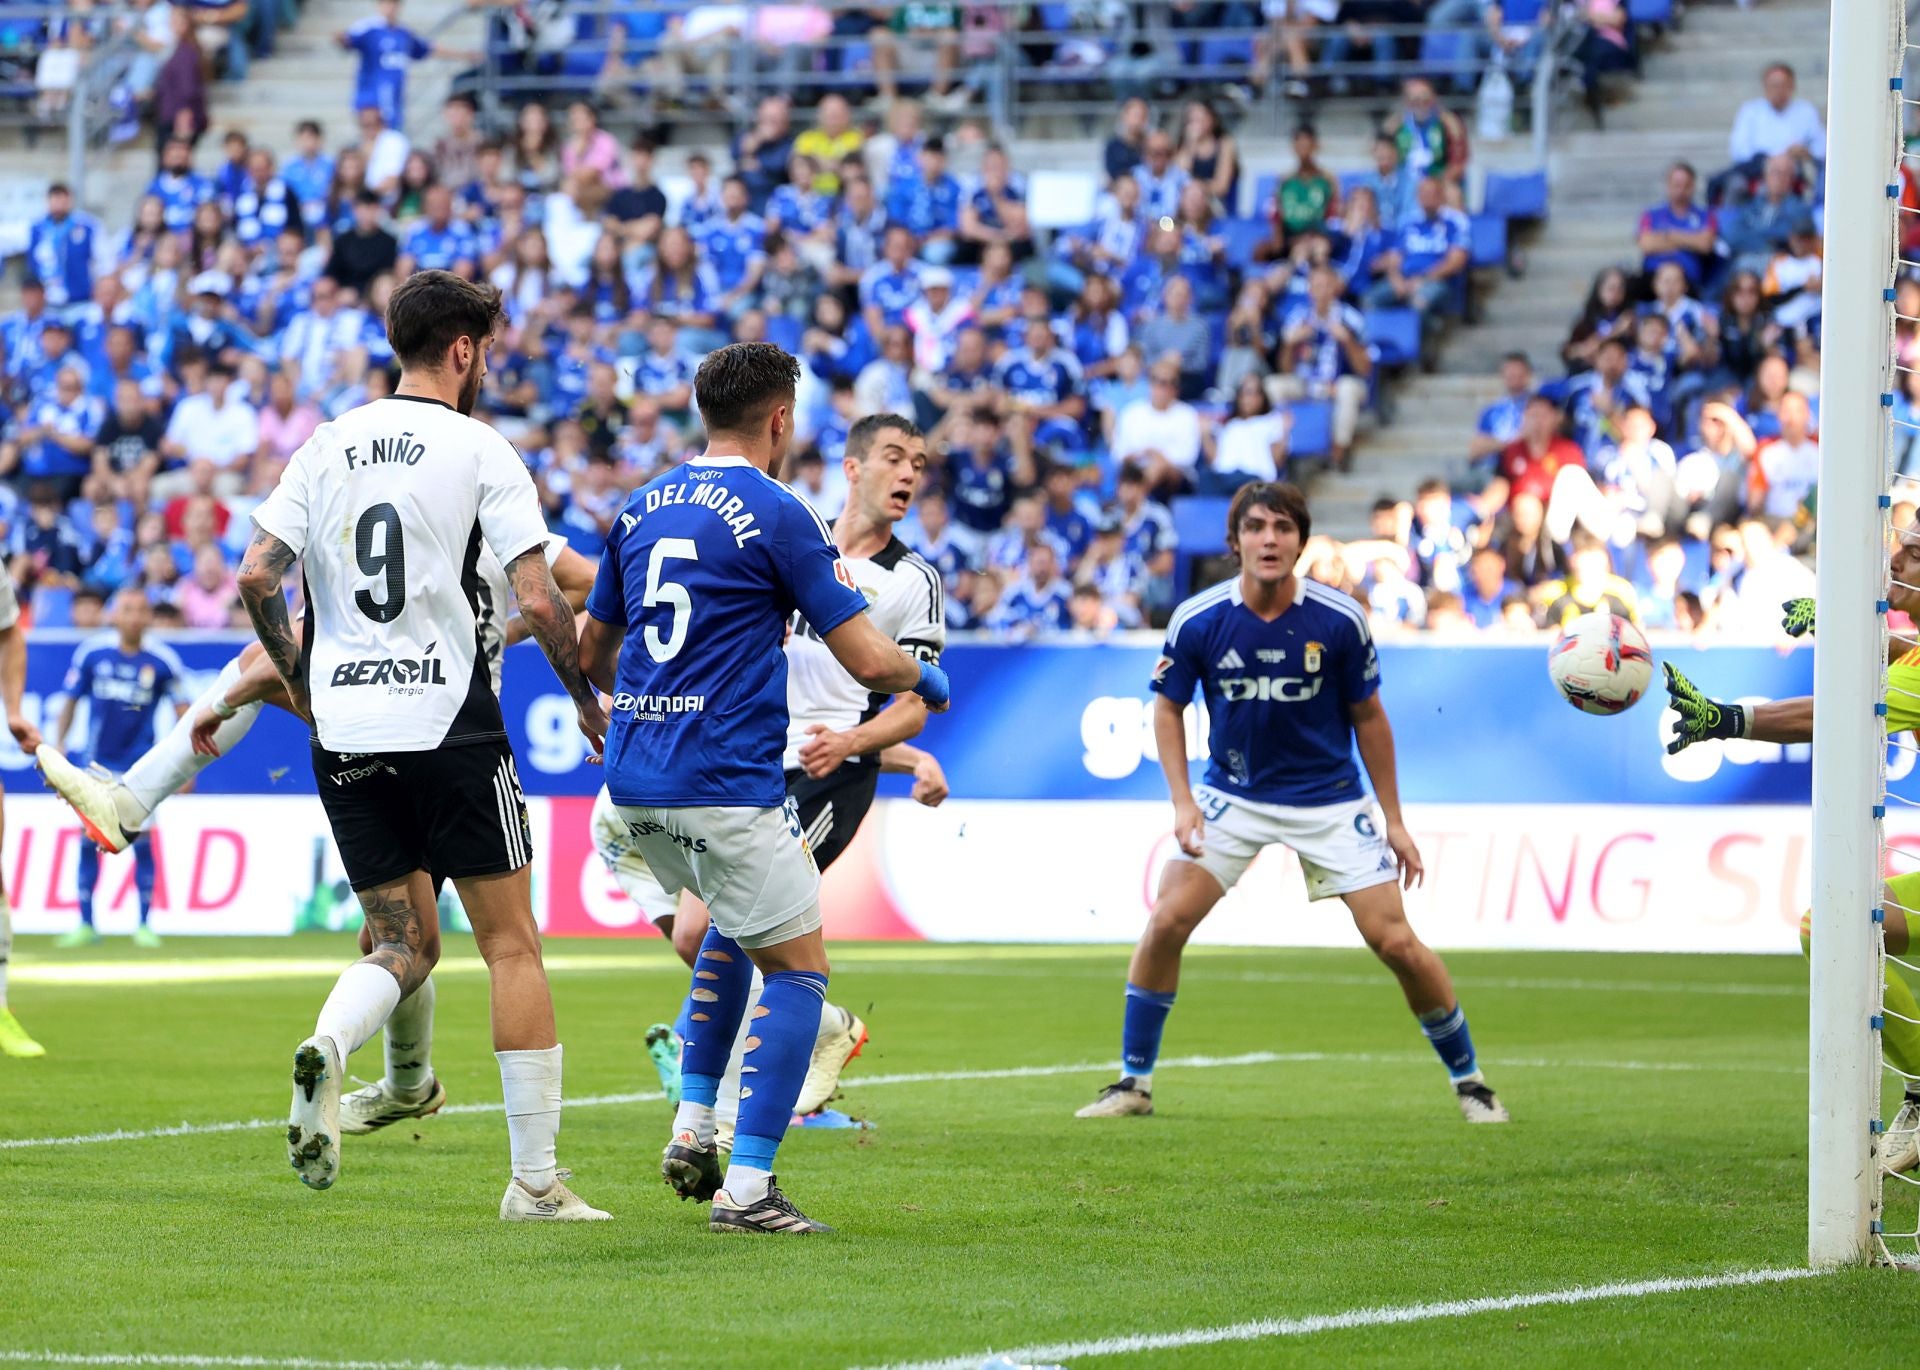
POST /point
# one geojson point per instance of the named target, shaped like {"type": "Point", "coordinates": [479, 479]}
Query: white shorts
{"type": "Point", "coordinates": [751, 867]}
{"type": "Point", "coordinates": [625, 863]}
{"type": "Point", "coordinates": [1340, 846]}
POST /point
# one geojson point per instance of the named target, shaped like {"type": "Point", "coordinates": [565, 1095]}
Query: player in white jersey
{"type": "Point", "coordinates": [14, 1040]}
{"type": "Point", "coordinates": [390, 505]}
{"type": "Point", "coordinates": [837, 730]}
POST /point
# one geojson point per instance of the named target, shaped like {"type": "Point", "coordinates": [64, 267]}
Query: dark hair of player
{"type": "Point", "coordinates": [1274, 495]}
{"type": "Point", "coordinates": [431, 310]}
{"type": "Point", "coordinates": [736, 385]}
{"type": "Point", "coordinates": [860, 437]}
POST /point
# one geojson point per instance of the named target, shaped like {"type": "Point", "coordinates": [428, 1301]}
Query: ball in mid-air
{"type": "Point", "coordinates": [1601, 663]}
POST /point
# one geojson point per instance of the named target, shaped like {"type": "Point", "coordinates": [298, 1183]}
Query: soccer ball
{"type": "Point", "coordinates": [1601, 663]}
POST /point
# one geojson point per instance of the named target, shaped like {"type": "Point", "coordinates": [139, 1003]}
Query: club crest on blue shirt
{"type": "Point", "coordinates": [1310, 658]}
{"type": "Point", "coordinates": [146, 677]}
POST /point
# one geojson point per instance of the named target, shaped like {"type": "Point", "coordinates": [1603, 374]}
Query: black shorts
{"type": "Point", "coordinates": [831, 808]}
{"type": "Point", "coordinates": [454, 812]}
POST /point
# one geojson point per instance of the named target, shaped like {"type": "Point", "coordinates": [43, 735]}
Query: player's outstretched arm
{"type": "Point", "coordinates": [13, 687]}
{"type": "Point", "coordinates": [825, 749]}
{"type": "Point", "coordinates": [1702, 719]}
{"type": "Point", "coordinates": [1373, 734]}
{"type": "Point", "coordinates": [549, 620]}
{"type": "Point", "coordinates": [262, 570]}
{"type": "Point", "coordinates": [878, 663]}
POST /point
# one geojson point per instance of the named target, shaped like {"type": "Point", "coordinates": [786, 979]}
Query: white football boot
{"type": "Point", "coordinates": [1121, 1099]}
{"type": "Point", "coordinates": [558, 1205]}
{"type": "Point", "coordinates": [842, 1035]}
{"type": "Point", "coordinates": [372, 1107]}
{"type": "Point", "coordinates": [1900, 1144]}
{"type": "Point", "coordinates": [1478, 1103]}
{"type": "Point", "coordinates": [90, 797]}
{"type": "Point", "coordinates": [313, 1126]}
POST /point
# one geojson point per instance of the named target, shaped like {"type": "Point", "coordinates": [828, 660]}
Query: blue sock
{"type": "Point", "coordinates": [1140, 1031]}
{"type": "Point", "coordinates": [1446, 1028]}
{"type": "Point", "coordinates": [143, 875]}
{"type": "Point", "coordinates": [89, 877]}
{"type": "Point", "coordinates": [779, 1049]}
{"type": "Point", "coordinates": [716, 1000]}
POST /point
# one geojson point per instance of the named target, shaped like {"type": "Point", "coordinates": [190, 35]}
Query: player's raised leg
{"type": "Point", "coordinates": [1188, 892]}
{"type": "Point", "coordinates": [1381, 916]}
{"type": "Point", "coordinates": [405, 933]}
{"type": "Point", "coordinates": [407, 1088]}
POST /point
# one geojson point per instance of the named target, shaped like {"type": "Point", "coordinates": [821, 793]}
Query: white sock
{"type": "Point", "coordinates": [695, 1118]}
{"type": "Point", "coordinates": [1143, 1083]}
{"type": "Point", "coordinates": [834, 1022]}
{"type": "Point", "coordinates": [171, 762]}
{"type": "Point", "coordinates": [6, 943]}
{"type": "Point", "coordinates": [746, 1184]}
{"type": "Point", "coordinates": [410, 1044]}
{"type": "Point", "coordinates": [530, 1083]}
{"type": "Point", "coordinates": [362, 999]}
{"type": "Point", "coordinates": [726, 1106]}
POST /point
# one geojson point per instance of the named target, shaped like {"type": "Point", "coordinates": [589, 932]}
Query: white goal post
{"type": "Point", "coordinates": [1864, 103]}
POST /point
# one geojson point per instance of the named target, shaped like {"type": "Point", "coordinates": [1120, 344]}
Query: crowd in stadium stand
{"type": "Point", "coordinates": [159, 373]}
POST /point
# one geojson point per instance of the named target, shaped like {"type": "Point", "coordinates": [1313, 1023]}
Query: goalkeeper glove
{"type": "Point", "coordinates": [1797, 617]}
{"type": "Point", "coordinates": [1700, 718]}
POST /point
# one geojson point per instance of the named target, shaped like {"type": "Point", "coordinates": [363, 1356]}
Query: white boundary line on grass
{"type": "Point", "coordinates": [1263, 1329]}
{"type": "Point", "coordinates": [1251, 1058]}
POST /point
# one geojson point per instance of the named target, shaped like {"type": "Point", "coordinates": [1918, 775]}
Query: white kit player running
{"type": "Point", "coordinates": [1292, 686]}
{"type": "Point", "coordinates": [115, 810]}
{"type": "Point", "coordinates": [838, 731]}
{"type": "Point", "coordinates": [390, 505]}
{"type": "Point", "coordinates": [684, 629]}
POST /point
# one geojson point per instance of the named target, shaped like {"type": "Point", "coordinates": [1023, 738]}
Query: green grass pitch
{"type": "Point", "coordinates": [1660, 1124]}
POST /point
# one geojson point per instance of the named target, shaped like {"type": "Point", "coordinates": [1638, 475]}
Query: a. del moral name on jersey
{"type": "Point", "coordinates": [730, 509]}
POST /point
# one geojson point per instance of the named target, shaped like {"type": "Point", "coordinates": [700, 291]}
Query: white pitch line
{"type": "Point", "coordinates": [157, 1358]}
{"type": "Point", "coordinates": [1466, 982]}
{"type": "Point", "coordinates": [1251, 1058]}
{"type": "Point", "coordinates": [1263, 1329]}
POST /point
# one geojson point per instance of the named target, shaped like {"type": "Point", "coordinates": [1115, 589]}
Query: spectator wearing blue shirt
{"type": "Point", "coordinates": [56, 442]}
{"type": "Point", "coordinates": [798, 208]}
{"type": "Point", "coordinates": [119, 362]}
{"type": "Point", "coordinates": [981, 477]}
{"type": "Point", "coordinates": [1160, 177]}
{"type": "Point", "coordinates": [124, 678]}
{"type": "Point", "coordinates": [1681, 231]}
{"type": "Point", "coordinates": [891, 284]}
{"type": "Point", "coordinates": [1035, 606]}
{"type": "Point", "coordinates": [22, 331]}
{"type": "Point", "coordinates": [859, 226]}
{"type": "Point", "coordinates": [1392, 182]}
{"type": "Point", "coordinates": [702, 203]}
{"type": "Point", "coordinates": [180, 189]}
{"type": "Point", "coordinates": [1487, 587]}
{"type": "Point", "coordinates": [996, 210]}
{"type": "Point", "coordinates": [1757, 229]}
{"type": "Point", "coordinates": [61, 249]}
{"type": "Point", "coordinates": [929, 205]}
{"type": "Point", "coordinates": [1045, 402]}
{"type": "Point", "coordinates": [734, 245]}
{"type": "Point", "coordinates": [762, 153]}
{"type": "Point", "coordinates": [1499, 423]}
{"type": "Point", "coordinates": [1598, 399]}
{"type": "Point", "coordinates": [663, 371]}
{"type": "Point", "coordinates": [309, 174]}
{"type": "Point", "coordinates": [56, 355]}
{"type": "Point", "coordinates": [1654, 361]}
{"type": "Point", "coordinates": [265, 206]}
{"type": "Point", "coordinates": [387, 50]}
{"type": "Point", "coordinates": [1429, 251]}
{"type": "Point", "coordinates": [438, 241]}
{"type": "Point", "coordinates": [231, 175]}
{"type": "Point", "coordinates": [576, 359]}
{"type": "Point", "coordinates": [678, 284]}
{"type": "Point", "coordinates": [1325, 347]}
{"type": "Point", "coordinates": [1067, 519]}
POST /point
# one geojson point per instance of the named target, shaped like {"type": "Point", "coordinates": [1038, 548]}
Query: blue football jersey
{"type": "Point", "coordinates": [122, 691]}
{"type": "Point", "coordinates": [703, 569]}
{"type": "Point", "coordinates": [1276, 693]}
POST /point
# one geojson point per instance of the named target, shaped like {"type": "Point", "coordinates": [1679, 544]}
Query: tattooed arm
{"type": "Point", "coordinates": [261, 570]}
{"type": "Point", "coordinates": [549, 619]}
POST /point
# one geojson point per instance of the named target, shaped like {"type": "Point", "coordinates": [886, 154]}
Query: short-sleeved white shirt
{"type": "Point", "coordinates": [389, 507]}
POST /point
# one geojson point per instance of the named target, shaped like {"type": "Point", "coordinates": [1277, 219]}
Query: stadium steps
{"type": "Point", "coordinates": [1694, 79]}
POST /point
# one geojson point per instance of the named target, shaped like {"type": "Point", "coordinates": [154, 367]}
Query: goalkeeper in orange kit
{"type": "Point", "coordinates": [1791, 720]}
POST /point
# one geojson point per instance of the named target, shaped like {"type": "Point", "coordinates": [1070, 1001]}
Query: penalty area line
{"type": "Point", "coordinates": [926, 1077]}
{"type": "Point", "coordinates": [1262, 1329]}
